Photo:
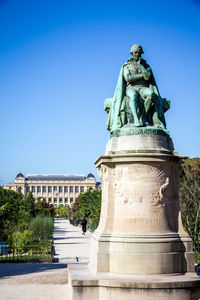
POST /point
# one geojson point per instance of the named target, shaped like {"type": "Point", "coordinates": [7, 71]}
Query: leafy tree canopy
{"type": "Point", "coordinates": [190, 198]}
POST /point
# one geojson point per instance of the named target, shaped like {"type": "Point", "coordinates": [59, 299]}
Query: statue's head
{"type": "Point", "coordinates": [136, 51]}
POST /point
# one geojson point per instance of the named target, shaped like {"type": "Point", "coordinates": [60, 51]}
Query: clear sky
{"type": "Point", "coordinates": [60, 59]}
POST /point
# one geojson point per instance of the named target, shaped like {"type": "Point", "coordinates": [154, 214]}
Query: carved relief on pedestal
{"type": "Point", "coordinates": [141, 191]}
{"type": "Point", "coordinates": [140, 183]}
{"type": "Point", "coordinates": [144, 192]}
{"type": "Point", "coordinates": [159, 198]}
{"type": "Point", "coordinates": [146, 171]}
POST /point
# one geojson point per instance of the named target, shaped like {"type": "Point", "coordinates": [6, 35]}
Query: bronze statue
{"type": "Point", "coordinates": [136, 99]}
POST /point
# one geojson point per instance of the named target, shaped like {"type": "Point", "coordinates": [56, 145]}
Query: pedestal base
{"type": "Point", "coordinates": [144, 254]}
{"type": "Point", "coordinates": [85, 285]}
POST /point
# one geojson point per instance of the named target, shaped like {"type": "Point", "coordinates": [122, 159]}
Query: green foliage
{"type": "Point", "coordinates": [16, 213]}
{"type": "Point", "coordinates": [41, 227]}
{"type": "Point", "coordinates": [62, 211]}
{"type": "Point", "coordinates": [75, 218]}
{"type": "Point", "coordinates": [93, 224]}
{"type": "Point", "coordinates": [90, 204]}
{"type": "Point", "coordinates": [20, 239]}
{"type": "Point", "coordinates": [87, 205]}
{"type": "Point", "coordinates": [190, 198]}
{"type": "Point", "coordinates": [44, 208]}
{"type": "Point", "coordinates": [197, 257]}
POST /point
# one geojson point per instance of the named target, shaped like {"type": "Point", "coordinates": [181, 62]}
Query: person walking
{"type": "Point", "coordinates": [84, 224]}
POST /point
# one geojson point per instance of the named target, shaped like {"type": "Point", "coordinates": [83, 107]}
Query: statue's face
{"type": "Point", "coordinates": [137, 54]}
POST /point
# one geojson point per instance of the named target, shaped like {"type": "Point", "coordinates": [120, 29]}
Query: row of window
{"type": "Point", "coordinates": [60, 200]}
{"type": "Point", "coordinates": [59, 189]}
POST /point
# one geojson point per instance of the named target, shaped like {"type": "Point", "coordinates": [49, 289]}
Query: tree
{"type": "Point", "coordinates": [16, 212]}
{"type": "Point", "coordinates": [190, 198]}
{"type": "Point", "coordinates": [10, 206]}
{"type": "Point", "coordinates": [44, 208]}
{"type": "Point", "coordinates": [62, 211]}
{"type": "Point", "coordinates": [87, 205]}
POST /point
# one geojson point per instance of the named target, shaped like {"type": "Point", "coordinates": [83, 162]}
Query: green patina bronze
{"type": "Point", "coordinates": [136, 105]}
{"type": "Point", "coordinates": [130, 129]}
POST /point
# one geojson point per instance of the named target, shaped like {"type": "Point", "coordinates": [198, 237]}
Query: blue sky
{"type": "Point", "coordinates": [60, 59]}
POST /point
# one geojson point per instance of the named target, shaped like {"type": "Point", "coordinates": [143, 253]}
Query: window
{"type": "Point", "coordinates": [76, 189]}
{"type": "Point", "coordinates": [71, 200]}
{"type": "Point", "coordinates": [55, 200]}
{"type": "Point", "coordinates": [60, 189]}
{"type": "Point", "coordinates": [71, 189]}
{"type": "Point", "coordinates": [65, 189]}
{"type": "Point", "coordinates": [82, 189]}
{"type": "Point", "coordinates": [60, 200]}
{"type": "Point", "coordinates": [44, 189]}
{"type": "Point", "coordinates": [27, 189]}
{"type": "Point", "coordinates": [49, 189]}
{"type": "Point", "coordinates": [33, 189]}
{"type": "Point", "coordinates": [50, 200]}
{"type": "Point", "coordinates": [38, 189]}
{"type": "Point", "coordinates": [55, 188]}
{"type": "Point", "coordinates": [66, 200]}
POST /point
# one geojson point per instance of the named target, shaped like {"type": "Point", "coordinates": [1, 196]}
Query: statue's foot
{"type": "Point", "coordinates": [136, 124]}
{"type": "Point", "coordinates": [160, 126]}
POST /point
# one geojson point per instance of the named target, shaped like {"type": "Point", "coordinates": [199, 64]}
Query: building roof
{"type": "Point", "coordinates": [35, 177]}
{"type": "Point", "coordinates": [90, 175]}
{"type": "Point", "coordinates": [19, 175]}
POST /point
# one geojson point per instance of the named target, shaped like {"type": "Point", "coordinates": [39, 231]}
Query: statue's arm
{"type": "Point", "coordinates": [132, 78]}
{"type": "Point", "coordinates": [146, 72]}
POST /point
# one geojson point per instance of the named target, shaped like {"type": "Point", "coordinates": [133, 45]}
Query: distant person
{"type": "Point", "coordinates": [84, 224]}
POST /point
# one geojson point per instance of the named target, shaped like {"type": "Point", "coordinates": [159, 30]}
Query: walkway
{"type": "Point", "coordinates": [70, 245]}
{"type": "Point", "coordinates": [46, 281]}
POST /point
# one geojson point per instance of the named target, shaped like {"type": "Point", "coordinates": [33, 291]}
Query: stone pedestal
{"type": "Point", "coordinates": [140, 233]}
{"type": "Point", "coordinates": [86, 285]}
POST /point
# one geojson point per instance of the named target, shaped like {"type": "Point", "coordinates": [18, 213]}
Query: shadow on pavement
{"type": "Point", "coordinates": [74, 243]}
{"type": "Point", "coordinates": [14, 269]}
{"type": "Point", "coordinates": [59, 238]}
{"type": "Point", "coordinates": [71, 238]}
{"type": "Point", "coordinates": [58, 231]}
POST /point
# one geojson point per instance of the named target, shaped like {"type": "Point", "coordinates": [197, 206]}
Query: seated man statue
{"type": "Point", "coordinates": [136, 92]}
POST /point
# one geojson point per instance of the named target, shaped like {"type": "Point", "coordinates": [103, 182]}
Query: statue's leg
{"type": "Point", "coordinates": [147, 95]}
{"type": "Point", "coordinates": [123, 117]}
{"type": "Point", "coordinates": [133, 104]}
{"type": "Point", "coordinates": [147, 99]}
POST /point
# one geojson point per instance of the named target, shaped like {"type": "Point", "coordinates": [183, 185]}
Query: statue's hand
{"type": "Point", "coordinates": [139, 61]}
{"type": "Point", "coordinates": [139, 65]}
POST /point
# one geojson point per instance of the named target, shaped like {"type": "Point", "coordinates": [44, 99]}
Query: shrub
{"type": "Point", "coordinates": [19, 240]}
{"type": "Point", "coordinates": [42, 227]}
{"type": "Point", "coordinates": [75, 218]}
{"type": "Point", "coordinates": [93, 224]}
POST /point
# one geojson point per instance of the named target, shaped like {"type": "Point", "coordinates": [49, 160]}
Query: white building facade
{"type": "Point", "coordinates": [54, 189]}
